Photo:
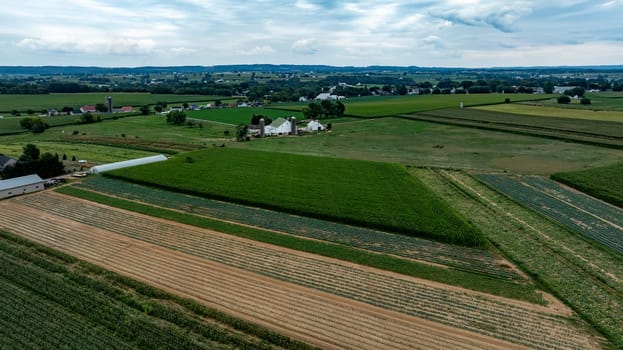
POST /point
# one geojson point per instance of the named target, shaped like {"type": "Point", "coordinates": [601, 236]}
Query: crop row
{"type": "Point", "coordinates": [70, 305]}
{"type": "Point", "coordinates": [335, 323]}
{"type": "Point", "coordinates": [605, 183]}
{"type": "Point", "coordinates": [587, 224]}
{"type": "Point", "coordinates": [29, 321]}
{"type": "Point", "coordinates": [607, 212]}
{"type": "Point", "coordinates": [369, 194]}
{"type": "Point", "coordinates": [454, 308]}
{"type": "Point", "coordinates": [571, 267]}
{"type": "Point", "coordinates": [470, 259]}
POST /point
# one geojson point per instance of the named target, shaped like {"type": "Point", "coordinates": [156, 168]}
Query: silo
{"type": "Point", "coordinates": [109, 103]}
{"type": "Point", "coordinates": [293, 122]}
{"type": "Point", "coordinates": [261, 127]}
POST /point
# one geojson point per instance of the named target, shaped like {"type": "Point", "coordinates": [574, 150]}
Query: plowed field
{"type": "Point", "coordinates": [326, 302]}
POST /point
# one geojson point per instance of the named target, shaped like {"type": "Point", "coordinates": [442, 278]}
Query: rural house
{"type": "Point", "coordinates": [21, 185]}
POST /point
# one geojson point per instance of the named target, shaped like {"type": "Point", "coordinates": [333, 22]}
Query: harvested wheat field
{"type": "Point", "coordinates": [325, 302]}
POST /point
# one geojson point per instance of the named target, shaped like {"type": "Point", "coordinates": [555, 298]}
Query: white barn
{"type": "Point", "coordinates": [126, 164]}
{"type": "Point", "coordinates": [314, 125]}
{"type": "Point", "coordinates": [279, 126]}
{"type": "Point", "coordinates": [21, 185]}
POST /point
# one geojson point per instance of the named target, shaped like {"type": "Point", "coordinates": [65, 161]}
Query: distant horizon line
{"type": "Point", "coordinates": [593, 66]}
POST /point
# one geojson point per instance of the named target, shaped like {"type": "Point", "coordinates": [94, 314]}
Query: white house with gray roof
{"type": "Point", "coordinates": [21, 185]}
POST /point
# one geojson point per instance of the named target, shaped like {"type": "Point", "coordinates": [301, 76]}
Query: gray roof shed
{"type": "Point", "coordinates": [20, 182]}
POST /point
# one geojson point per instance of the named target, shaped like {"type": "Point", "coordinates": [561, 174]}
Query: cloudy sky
{"type": "Point", "coordinates": [449, 33]}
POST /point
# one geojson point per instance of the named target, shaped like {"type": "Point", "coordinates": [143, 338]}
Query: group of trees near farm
{"type": "Point", "coordinates": [31, 161]}
{"type": "Point", "coordinates": [324, 109]}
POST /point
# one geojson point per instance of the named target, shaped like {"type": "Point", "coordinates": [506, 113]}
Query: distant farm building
{"type": "Point", "coordinates": [88, 108]}
{"type": "Point", "coordinates": [562, 89]}
{"type": "Point", "coordinates": [6, 161]}
{"type": "Point", "coordinates": [279, 126]}
{"type": "Point", "coordinates": [126, 109]}
{"type": "Point", "coordinates": [126, 164]}
{"type": "Point", "coordinates": [21, 185]}
{"type": "Point", "coordinates": [314, 125]}
{"type": "Point", "coordinates": [328, 96]}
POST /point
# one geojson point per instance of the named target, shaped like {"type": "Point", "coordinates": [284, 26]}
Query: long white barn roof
{"type": "Point", "coordinates": [126, 164]}
{"type": "Point", "coordinates": [20, 181]}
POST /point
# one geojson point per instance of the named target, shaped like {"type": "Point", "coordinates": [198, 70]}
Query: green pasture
{"type": "Point", "coordinates": [605, 183]}
{"type": "Point", "coordinates": [37, 103]}
{"type": "Point", "coordinates": [609, 101]}
{"type": "Point", "coordinates": [94, 154]}
{"type": "Point", "coordinates": [235, 116]}
{"type": "Point", "coordinates": [131, 132]}
{"type": "Point", "coordinates": [377, 106]}
{"type": "Point", "coordinates": [419, 143]}
{"type": "Point", "coordinates": [370, 194]}
{"type": "Point", "coordinates": [12, 125]}
{"type": "Point", "coordinates": [553, 111]}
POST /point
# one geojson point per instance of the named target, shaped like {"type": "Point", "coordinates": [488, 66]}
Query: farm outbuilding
{"type": "Point", "coordinates": [21, 185]}
{"type": "Point", "coordinates": [126, 164]}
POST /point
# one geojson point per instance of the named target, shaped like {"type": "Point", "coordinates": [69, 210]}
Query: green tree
{"type": "Point", "coordinates": [145, 110]}
{"type": "Point", "coordinates": [26, 123]}
{"type": "Point", "coordinates": [548, 87]}
{"type": "Point", "coordinates": [176, 117]}
{"type": "Point", "coordinates": [49, 166]}
{"type": "Point", "coordinates": [564, 99]}
{"type": "Point", "coordinates": [102, 108]}
{"type": "Point", "coordinates": [241, 132]}
{"type": "Point", "coordinates": [39, 126]}
{"type": "Point", "coordinates": [30, 152]}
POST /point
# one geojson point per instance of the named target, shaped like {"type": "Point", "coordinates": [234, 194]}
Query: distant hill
{"type": "Point", "coordinates": [278, 68]}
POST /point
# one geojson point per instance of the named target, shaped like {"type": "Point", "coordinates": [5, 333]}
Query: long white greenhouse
{"type": "Point", "coordinates": [126, 164]}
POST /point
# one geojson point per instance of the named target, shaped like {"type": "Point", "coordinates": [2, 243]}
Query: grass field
{"type": "Point", "coordinates": [419, 143]}
{"type": "Point", "coordinates": [53, 300]}
{"type": "Point", "coordinates": [609, 101]}
{"type": "Point", "coordinates": [94, 154]}
{"type": "Point", "coordinates": [370, 194]}
{"type": "Point", "coordinates": [139, 132]}
{"type": "Point", "coordinates": [235, 116]}
{"type": "Point", "coordinates": [11, 125]}
{"type": "Point", "coordinates": [558, 112]}
{"type": "Point", "coordinates": [38, 102]}
{"type": "Point", "coordinates": [377, 106]}
{"type": "Point", "coordinates": [605, 183]}
{"type": "Point", "coordinates": [606, 133]}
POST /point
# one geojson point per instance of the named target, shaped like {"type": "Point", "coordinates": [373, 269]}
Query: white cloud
{"type": "Point", "coordinates": [119, 46]}
{"type": "Point", "coordinates": [363, 32]}
{"type": "Point", "coordinates": [306, 5]}
{"type": "Point", "coordinates": [256, 51]}
{"type": "Point", "coordinates": [305, 46]}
